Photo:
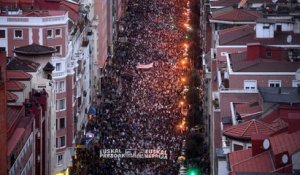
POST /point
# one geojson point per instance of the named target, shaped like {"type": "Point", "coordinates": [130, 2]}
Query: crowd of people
{"type": "Point", "coordinates": [139, 107]}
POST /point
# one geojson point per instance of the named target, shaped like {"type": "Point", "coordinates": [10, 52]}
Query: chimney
{"type": "Point", "coordinates": [253, 51]}
{"type": "Point", "coordinates": [293, 121]}
{"type": "Point", "coordinates": [260, 143]}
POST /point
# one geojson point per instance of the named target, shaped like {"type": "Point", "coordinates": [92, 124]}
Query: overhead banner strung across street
{"type": "Point", "coordinates": [144, 66]}
{"type": "Point", "coordinates": [133, 153]}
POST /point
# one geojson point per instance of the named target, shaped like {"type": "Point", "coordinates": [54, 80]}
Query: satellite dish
{"type": "Point", "coordinates": [285, 158]}
{"type": "Point", "coordinates": [266, 144]}
{"type": "Point", "coordinates": [298, 74]}
{"type": "Point", "coordinates": [289, 39]}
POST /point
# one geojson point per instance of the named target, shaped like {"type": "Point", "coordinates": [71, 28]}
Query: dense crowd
{"type": "Point", "coordinates": [139, 107]}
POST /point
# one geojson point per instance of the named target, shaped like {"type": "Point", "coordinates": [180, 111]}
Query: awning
{"type": "Point", "coordinates": [92, 110]}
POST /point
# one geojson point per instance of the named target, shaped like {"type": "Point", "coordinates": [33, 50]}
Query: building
{"type": "Point", "coordinates": [28, 116]}
{"type": "Point", "coordinates": [61, 25]}
{"type": "Point", "coordinates": [254, 60]}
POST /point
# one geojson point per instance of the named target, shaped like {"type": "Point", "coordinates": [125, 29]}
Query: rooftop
{"type": "Point", "coordinates": [241, 35]}
{"type": "Point", "coordinates": [239, 63]}
{"type": "Point", "coordinates": [11, 97]}
{"type": "Point", "coordinates": [15, 86]}
{"type": "Point", "coordinates": [242, 161]}
{"type": "Point", "coordinates": [25, 65]}
{"type": "Point", "coordinates": [247, 129]}
{"type": "Point", "coordinates": [236, 15]}
{"type": "Point", "coordinates": [17, 75]}
{"type": "Point", "coordinates": [287, 95]}
{"type": "Point", "coordinates": [34, 49]}
{"type": "Point", "coordinates": [286, 142]}
{"type": "Point", "coordinates": [248, 109]}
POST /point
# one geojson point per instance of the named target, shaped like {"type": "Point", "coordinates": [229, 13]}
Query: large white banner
{"type": "Point", "coordinates": [144, 66]}
{"type": "Point", "coordinates": [133, 153]}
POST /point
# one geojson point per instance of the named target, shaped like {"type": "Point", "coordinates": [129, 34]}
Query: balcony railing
{"type": "Point", "coordinates": [232, 90]}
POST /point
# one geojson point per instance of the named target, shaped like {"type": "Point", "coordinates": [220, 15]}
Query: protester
{"type": "Point", "coordinates": [139, 107]}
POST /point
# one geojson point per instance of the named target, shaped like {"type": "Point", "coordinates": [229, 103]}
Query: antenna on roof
{"type": "Point", "coordinates": [289, 39]}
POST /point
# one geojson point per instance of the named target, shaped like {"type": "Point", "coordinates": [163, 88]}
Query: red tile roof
{"type": "Point", "coordinates": [18, 75]}
{"type": "Point", "coordinates": [236, 15]}
{"type": "Point", "coordinates": [240, 63]}
{"type": "Point", "coordinates": [11, 97]}
{"type": "Point", "coordinates": [230, 35]}
{"type": "Point", "coordinates": [246, 129]}
{"type": "Point", "coordinates": [239, 156]}
{"type": "Point", "coordinates": [286, 142]}
{"type": "Point", "coordinates": [12, 142]}
{"type": "Point", "coordinates": [13, 113]}
{"type": "Point", "coordinates": [15, 86]}
{"type": "Point", "coordinates": [247, 109]}
{"type": "Point", "coordinates": [259, 163]}
{"type": "Point", "coordinates": [242, 35]}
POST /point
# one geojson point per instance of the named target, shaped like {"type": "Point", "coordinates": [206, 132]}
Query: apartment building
{"type": "Point", "coordinates": [59, 25]}
{"type": "Point", "coordinates": [255, 61]}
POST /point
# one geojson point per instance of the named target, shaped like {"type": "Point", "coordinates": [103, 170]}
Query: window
{"type": "Point", "coordinates": [58, 67]}
{"type": "Point", "coordinates": [274, 83]}
{"type": "Point", "coordinates": [56, 126]}
{"type": "Point", "coordinates": [250, 85]}
{"type": "Point", "coordinates": [61, 142]}
{"type": "Point", "coordinates": [266, 27]}
{"type": "Point", "coordinates": [62, 123]}
{"type": "Point", "coordinates": [49, 33]}
{"type": "Point", "coordinates": [60, 104]}
{"type": "Point", "coordinates": [2, 33]}
{"type": "Point", "coordinates": [57, 32]}
{"type": "Point", "coordinates": [18, 34]}
{"type": "Point", "coordinates": [60, 86]}
{"type": "Point", "coordinates": [237, 147]}
{"type": "Point", "coordinates": [59, 159]}
{"type": "Point", "coordinates": [269, 54]}
{"type": "Point", "coordinates": [278, 28]}
{"type": "Point", "coordinates": [296, 83]}
{"type": "Point", "coordinates": [2, 49]}
{"type": "Point", "coordinates": [58, 50]}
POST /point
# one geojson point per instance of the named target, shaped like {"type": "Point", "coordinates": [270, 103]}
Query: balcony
{"type": "Point", "coordinates": [59, 74]}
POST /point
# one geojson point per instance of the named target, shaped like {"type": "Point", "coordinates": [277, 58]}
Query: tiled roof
{"type": "Point", "coordinates": [14, 86]}
{"type": "Point", "coordinates": [236, 15]}
{"type": "Point", "coordinates": [242, 35]}
{"type": "Point", "coordinates": [259, 163]}
{"type": "Point", "coordinates": [286, 142]}
{"type": "Point", "coordinates": [230, 35]}
{"type": "Point", "coordinates": [18, 75]}
{"type": "Point", "coordinates": [25, 65]}
{"type": "Point", "coordinates": [281, 112]}
{"type": "Point", "coordinates": [72, 8]}
{"type": "Point", "coordinates": [12, 114]}
{"type": "Point", "coordinates": [279, 124]}
{"type": "Point", "coordinates": [246, 109]}
{"type": "Point", "coordinates": [240, 63]}
{"type": "Point", "coordinates": [34, 49]}
{"type": "Point", "coordinates": [11, 97]}
{"type": "Point", "coordinates": [239, 156]}
{"type": "Point", "coordinates": [12, 142]}
{"type": "Point", "coordinates": [247, 129]}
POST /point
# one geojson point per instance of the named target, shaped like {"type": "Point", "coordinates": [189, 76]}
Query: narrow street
{"type": "Point", "coordinates": [140, 125]}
